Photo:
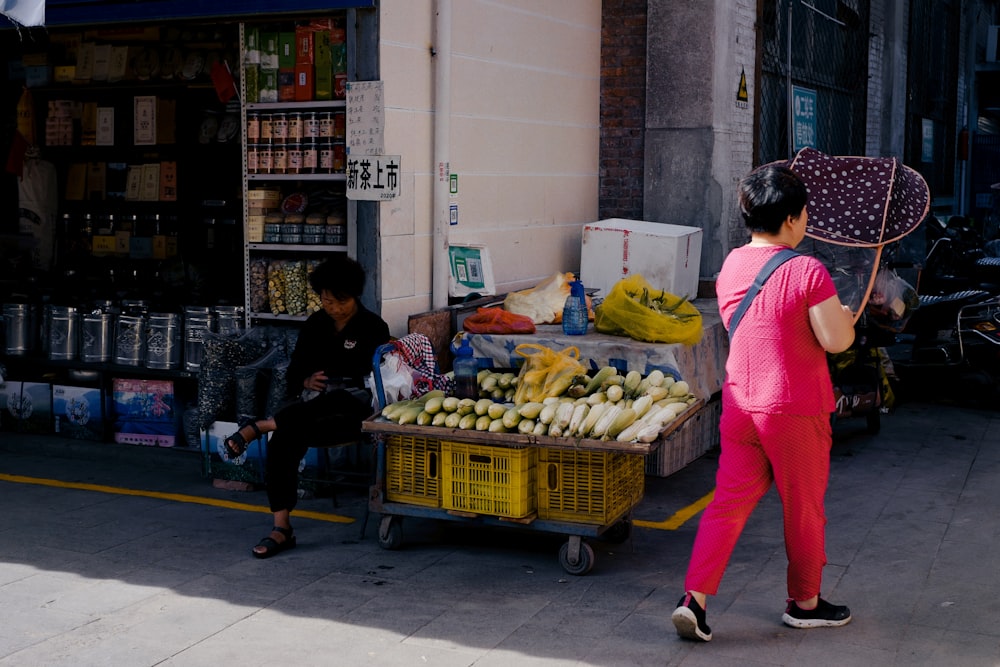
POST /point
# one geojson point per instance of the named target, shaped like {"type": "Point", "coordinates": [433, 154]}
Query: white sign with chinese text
{"type": "Point", "coordinates": [372, 177]}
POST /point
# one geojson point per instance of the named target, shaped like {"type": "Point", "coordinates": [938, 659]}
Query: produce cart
{"type": "Point", "coordinates": [580, 487]}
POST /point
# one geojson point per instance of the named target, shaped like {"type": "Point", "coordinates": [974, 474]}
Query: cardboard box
{"type": "Point", "coordinates": [37, 75]}
{"type": "Point", "coordinates": [78, 412]}
{"type": "Point", "coordinates": [143, 412]}
{"type": "Point", "coordinates": [251, 46]}
{"type": "Point", "coordinates": [269, 50]}
{"type": "Point", "coordinates": [323, 68]}
{"type": "Point", "coordinates": [26, 407]}
{"type": "Point", "coordinates": [286, 50]}
{"type": "Point", "coordinates": [286, 85]}
{"type": "Point", "coordinates": [667, 256]}
{"type": "Point", "coordinates": [268, 85]}
{"type": "Point", "coordinates": [304, 45]}
{"type": "Point", "coordinates": [304, 83]}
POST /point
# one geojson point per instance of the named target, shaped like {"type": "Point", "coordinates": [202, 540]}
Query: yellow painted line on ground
{"type": "Point", "coordinates": [680, 517]}
{"type": "Point", "coordinates": [176, 497]}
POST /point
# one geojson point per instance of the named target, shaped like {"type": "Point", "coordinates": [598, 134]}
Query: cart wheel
{"type": "Point", "coordinates": [874, 421]}
{"type": "Point", "coordinates": [583, 564]}
{"type": "Point", "coordinates": [619, 532]}
{"type": "Point", "coordinates": [390, 532]}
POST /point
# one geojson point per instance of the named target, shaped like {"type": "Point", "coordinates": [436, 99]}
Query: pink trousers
{"type": "Point", "coordinates": [757, 449]}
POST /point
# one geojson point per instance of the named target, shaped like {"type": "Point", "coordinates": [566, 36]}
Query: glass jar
{"type": "Point", "coordinates": [253, 127]}
{"type": "Point", "coordinates": [279, 128]}
{"type": "Point", "coordinates": [294, 128]}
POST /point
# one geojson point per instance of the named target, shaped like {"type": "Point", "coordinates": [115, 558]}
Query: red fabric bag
{"type": "Point", "coordinates": [498, 321]}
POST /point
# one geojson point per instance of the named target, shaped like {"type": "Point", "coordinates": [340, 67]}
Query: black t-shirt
{"type": "Point", "coordinates": [344, 354]}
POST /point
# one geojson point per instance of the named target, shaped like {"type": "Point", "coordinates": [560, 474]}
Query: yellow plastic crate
{"type": "Point", "coordinates": [412, 471]}
{"type": "Point", "coordinates": [588, 487]}
{"type": "Point", "coordinates": [499, 481]}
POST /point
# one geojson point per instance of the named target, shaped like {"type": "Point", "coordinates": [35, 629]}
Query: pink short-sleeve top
{"type": "Point", "coordinates": [775, 364]}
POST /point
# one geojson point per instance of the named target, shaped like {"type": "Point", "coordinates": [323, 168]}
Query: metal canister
{"type": "Point", "coordinates": [96, 337]}
{"type": "Point", "coordinates": [229, 320]}
{"type": "Point", "coordinates": [163, 341]}
{"type": "Point", "coordinates": [130, 340]}
{"type": "Point", "coordinates": [197, 322]}
{"type": "Point", "coordinates": [135, 307]}
{"type": "Point", "coordinates": [64, 332]}
{"type": "Point", "coordinates": [19, 328]}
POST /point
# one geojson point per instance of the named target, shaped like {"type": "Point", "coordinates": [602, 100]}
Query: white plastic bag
{"type": "Point", "coordinates": [397, 378]}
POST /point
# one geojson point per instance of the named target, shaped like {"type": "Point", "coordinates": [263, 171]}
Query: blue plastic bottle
{"type": "Point", "coordinates": [466, 371]}
{"type": "Point", "coordinates": [574, 318]}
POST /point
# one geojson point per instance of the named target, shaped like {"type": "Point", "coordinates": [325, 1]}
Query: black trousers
{"type": "Point", "coordinates": [330, 417]}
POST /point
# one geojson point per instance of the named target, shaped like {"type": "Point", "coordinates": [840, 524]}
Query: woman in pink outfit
{"type": "Point", "coordinates": [776, 405]}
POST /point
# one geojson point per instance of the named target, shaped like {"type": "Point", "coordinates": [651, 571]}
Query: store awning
{"type": "Point", "coordinates": [90, 12]}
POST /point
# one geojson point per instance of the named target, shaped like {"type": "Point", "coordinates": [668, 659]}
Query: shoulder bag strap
{"type": "Point", "coordinates": [779, 258]}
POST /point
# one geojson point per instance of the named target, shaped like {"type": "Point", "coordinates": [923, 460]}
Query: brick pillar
{"type": "Point", "coordinates": [623, 108]}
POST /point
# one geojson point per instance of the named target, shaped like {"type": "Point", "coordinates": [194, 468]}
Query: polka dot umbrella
{"type": "Point", "coordinates": [861, 201]}
{"type": "Point", "coordinates": [856, 206]}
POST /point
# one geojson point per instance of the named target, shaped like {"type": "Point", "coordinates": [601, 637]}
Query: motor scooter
{"type": "Point", "coordinates": [952, 335]}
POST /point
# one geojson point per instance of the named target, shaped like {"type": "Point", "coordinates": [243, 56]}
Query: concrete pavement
{"type": "Point", "coordinates": [123, 555]}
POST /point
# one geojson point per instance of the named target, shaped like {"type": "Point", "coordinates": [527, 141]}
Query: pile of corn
{"type": "Point", "coordinates": [607, 406]}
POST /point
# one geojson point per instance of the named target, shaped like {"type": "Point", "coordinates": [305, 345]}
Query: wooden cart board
{"type": "Point", "coordinates": [378, 425]}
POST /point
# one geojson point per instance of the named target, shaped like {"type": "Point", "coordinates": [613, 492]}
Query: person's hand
{"type": "Point", "coordinates": [316, 381]}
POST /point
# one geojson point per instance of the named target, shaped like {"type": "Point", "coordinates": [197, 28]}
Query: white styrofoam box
{"type": "Point", "coordinates": [667, 256]}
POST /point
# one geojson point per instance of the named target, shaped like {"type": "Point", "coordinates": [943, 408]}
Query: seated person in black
{"type": "Point", "coordinates": [333, 355]}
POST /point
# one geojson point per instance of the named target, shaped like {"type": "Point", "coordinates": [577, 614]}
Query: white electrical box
{"type": "Point", "coordinates": [667, 256]}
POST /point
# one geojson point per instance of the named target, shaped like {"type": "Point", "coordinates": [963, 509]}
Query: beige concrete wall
{"type": "Point", "coordinates": [524, 139]}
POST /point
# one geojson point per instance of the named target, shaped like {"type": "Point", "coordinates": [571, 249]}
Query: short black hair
{"type": "Point", "coordinates": [768, 195]}
{"type": "Point", "coordinates": [340, 275]}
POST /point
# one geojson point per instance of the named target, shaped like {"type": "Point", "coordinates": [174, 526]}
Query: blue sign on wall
{"type": "Point", "coordinates": [803, 118]}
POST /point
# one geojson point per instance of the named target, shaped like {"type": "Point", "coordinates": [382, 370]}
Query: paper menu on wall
{"type": "Point", "coordinates": [365, 116]}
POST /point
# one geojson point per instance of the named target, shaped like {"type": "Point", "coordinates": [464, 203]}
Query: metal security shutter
{"type": "Point", "coordinates": [829, 55]}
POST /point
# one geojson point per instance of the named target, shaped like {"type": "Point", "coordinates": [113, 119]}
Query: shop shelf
{"type": "Point", "coordinates": [588, 486]}
{"type": "Point", "coordinates": [499, 481]}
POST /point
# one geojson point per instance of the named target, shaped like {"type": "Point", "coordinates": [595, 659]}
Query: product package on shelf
{"type": "Point", "coordinates": [143, 412]}
{"type": "Point", "coordinates": [78, 412]}
{"type": "Point", "coordinates": [26, 407]}
{"type": "Point", "coordinates": [258, 285]}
